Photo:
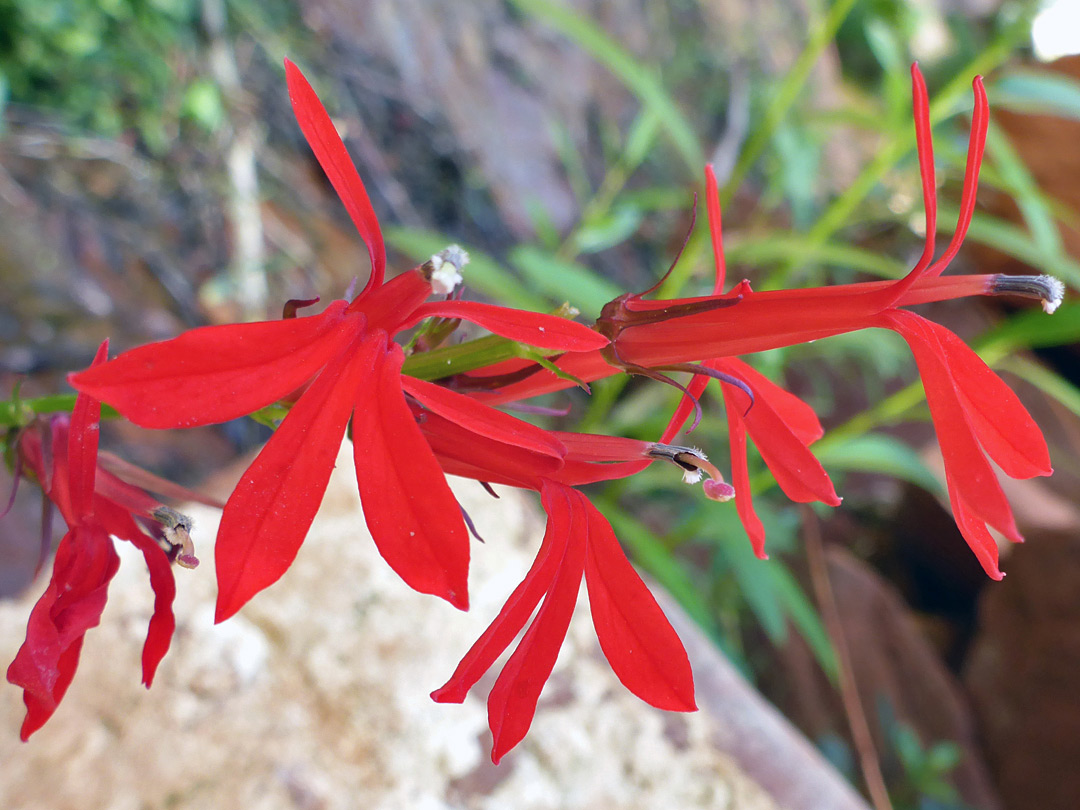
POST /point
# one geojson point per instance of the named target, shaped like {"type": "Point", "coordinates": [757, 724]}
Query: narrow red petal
{"type": "Point", "coordinates": [924, 144]}
{"type": "Point", "coordinates": [1004, 427]}
{"type": "Point", "coordinates": [975, 533]}
{"type": "Point", "coordinates": [521, 604]}
{"type": "Point", "coordinates": [120, 480]}
{"type": "Point", "coordinates": [268, 515]}
{"type": "Point", "coordinates": [799, 474]}
{"type": "Point", "coordinates": [797, 415]}
{"type": "Point", "coordinates": [82, 445]}
{"type": "Point", "coordinates": [740, 477]}
{"type": "Point", "coordinates": [217, 373]}
{"type": "Point", "coordinates": [162, 622]}
{"type": "Point", "coordinates": [980, 118]}
{"type": "Point", "coordinates": [635, 635]}
{"type": "Point", "coordinates": [532, 328]}
{"type": "Point", "coordinates": [976, 483]}
{"type": "Point", "coordinates": [461, 452]}
{"type": "Point", "coordinates": [325, 142]}
{"type": "Point", "coordinates": [410, 510]}
{"type": "Point", "coordinates": [512, 702]}
{"type": "Point", "coordinates": [712, 204]}
{"type": "Point", "coordinates": [482, 419]}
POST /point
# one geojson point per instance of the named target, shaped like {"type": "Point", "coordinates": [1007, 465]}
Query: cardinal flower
{"type": "Point", "coordinates": [348, 360]}
{"type": "Point", "coordinates": [62, 454]}
{"type": "Point", "coordinates": [579, 543]}
{"type": "Point", "coordinates": [975, 413]}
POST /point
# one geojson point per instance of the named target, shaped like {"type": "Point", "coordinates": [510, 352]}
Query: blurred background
{"type": "Point", "coordinates": [152, 178]}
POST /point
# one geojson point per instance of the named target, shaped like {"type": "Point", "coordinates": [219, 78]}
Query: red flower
{"type": "Point", "coordinates": [973, 410]}
{"type": "Point", "coordinates": [352, 367]}
{"type": "Point", "coordinates": [635, 636]}
{"type": "Point", "coordinates": [95, 504]}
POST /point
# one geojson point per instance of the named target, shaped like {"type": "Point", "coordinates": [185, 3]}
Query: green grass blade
{"type": "Point", "coordinates": [642, 82]}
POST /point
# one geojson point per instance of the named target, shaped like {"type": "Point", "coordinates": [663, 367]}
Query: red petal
{"type": "Point", "coordinates": [980, 117]}
{"type": "Point", "coordinates": [162, 622]}
{"type": "Point", "coordinates": [740, 477]}
{"type": "Point", "coordinates": [512, 702]}
{"type": "Point", "coordinates": [411, 512]}
{"type": "Point", "coordinates": [461, 452]}
{"type": "Point", "coordinates": [796, 414]}
{"type": "Point", "coordinates": [1004, 427]}
{"type": "Point", "coordinates": [637, 640]}
{"type": "Point", "coordinates": [40, 707]}
{"type": "Point", "coordinates": [217, 373]}
{"type": "Point", "coordinates": [712, 204]}
{"type": "Point", "coordinates": [976, 483]}
{"type": "Point", "coordinates": [521, 604]}
{"type": "Point", "coordinates": [482, 419]}
{"type": "Point", "coordinates": [325, 142]}
{"type": "Point", "coordinates": [268, 515]}
{"type": "Point", "coordinates": [974, 531]}
{"type": "Point", "coordinates": [795, 468]}
{"type": "Point", "coordinates": [72, 603]}
{"type": "Point", "coordinates": [532, 328]}
{"type": "Point", "coordinates": [82, 445]}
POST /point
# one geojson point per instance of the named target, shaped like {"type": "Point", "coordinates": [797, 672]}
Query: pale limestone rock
{"type": "Point", "coordinates": [316, 696]}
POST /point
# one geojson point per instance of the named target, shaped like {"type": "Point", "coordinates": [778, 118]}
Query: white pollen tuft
{"type": "Point", "coordinates": [692, 476]}
{"type": "Point", "coordinates": [446, 266]}
{"type": "Point", "coordinates": [1057, 294]}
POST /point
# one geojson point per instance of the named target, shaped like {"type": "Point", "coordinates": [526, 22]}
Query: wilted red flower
{"type": "Point", "coordinates": [62, 454]}
{"type": "Point", "coordinates": [218, 373]}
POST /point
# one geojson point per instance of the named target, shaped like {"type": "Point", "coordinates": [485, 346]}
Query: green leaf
{"type": "Point", "coordinates": [879, 453]}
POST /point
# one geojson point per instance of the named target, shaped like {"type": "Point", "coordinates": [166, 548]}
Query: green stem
{"type": "Point", "coordinates": [17, 412]}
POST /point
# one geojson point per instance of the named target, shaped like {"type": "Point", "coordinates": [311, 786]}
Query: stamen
{"type": "Point", "coordinates": [446, 266]}
{"type": "Point", "coordinates": [1048, 290]}
{"type": "Point", "coordinates": [694, 464]}
{"type": "Point", "coordinates": [177, 529]}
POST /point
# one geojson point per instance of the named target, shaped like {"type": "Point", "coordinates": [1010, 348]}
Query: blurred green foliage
{"type": "Point", "coordinates": [106, 65]}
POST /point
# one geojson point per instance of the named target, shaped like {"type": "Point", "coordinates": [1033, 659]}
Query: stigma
{"type": "Point", "coordinates": [695, 465]}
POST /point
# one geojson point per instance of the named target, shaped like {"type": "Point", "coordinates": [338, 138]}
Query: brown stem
{"type": "Point", "coordinates": [869, 763]}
